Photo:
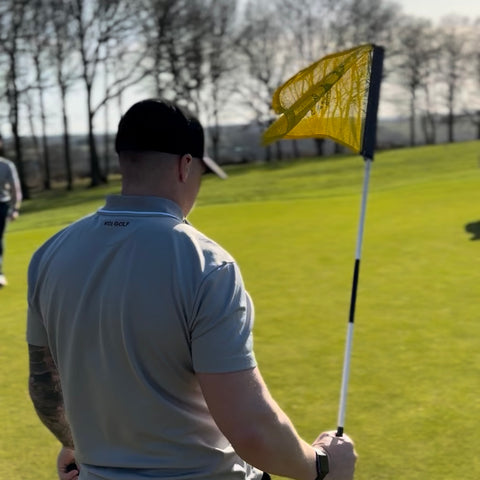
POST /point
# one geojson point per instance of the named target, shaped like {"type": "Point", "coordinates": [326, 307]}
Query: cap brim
{"type": "Point", "coordinates": [213, 167]}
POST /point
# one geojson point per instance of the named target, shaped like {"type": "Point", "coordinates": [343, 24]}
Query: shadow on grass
{"type": "Point", "coordinates": [474, 229]}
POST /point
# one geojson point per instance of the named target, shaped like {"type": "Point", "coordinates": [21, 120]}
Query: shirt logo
{"type": "Point", "coordinates": [110, 223]}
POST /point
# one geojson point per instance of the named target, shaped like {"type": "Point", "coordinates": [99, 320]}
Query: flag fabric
{"type": "Point", "coordinates": [328, 99]}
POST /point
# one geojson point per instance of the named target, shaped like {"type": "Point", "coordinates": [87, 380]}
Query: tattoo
{"type": "Point", "coordinates": [46, 394]}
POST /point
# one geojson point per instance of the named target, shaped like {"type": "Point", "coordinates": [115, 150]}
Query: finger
{"type": "Point", "coordinates": [71, 475]}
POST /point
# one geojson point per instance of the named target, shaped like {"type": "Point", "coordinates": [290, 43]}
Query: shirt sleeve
{"type": "Point", "coordinates": [36, 332]}
{"type": "Point", "coordinates": [223, 320]}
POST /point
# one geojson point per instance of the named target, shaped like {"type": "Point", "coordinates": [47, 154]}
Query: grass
{"type": "Point", "coordinates": [413, 405]}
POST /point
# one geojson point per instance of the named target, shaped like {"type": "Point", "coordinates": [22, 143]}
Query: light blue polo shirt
{"type": "Point", "coordinates": [132, 301]}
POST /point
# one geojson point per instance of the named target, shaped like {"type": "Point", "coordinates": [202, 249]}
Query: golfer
{"type": "Point", "coordinates": [140, 333]}
{"type": "Point", "coordinates": [10, 200]}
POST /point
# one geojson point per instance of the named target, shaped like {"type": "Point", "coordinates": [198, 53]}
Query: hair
{"type": "Point", "coordinates": [141, 164]}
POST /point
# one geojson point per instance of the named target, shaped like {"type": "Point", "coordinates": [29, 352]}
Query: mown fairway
{"type": "Point", "coordinates": [414, 403]}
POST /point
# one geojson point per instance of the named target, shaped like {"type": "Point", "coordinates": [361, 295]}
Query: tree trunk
{"type": "Point", "coordinates": [451, 116]}
{"type": "Point", "coordinates": [215, 137]}
{"type": "Point", "coordinates": [278, 147]}
{"type": "Point", "coordinates": [13, 115]}
{"type": "Point", "coordinates": [106, 140]}
{"type": "Point", "coordinates": [96, 177]}
{"type": "Point", "coordinates": [215, 131]}
{"type": "Point", "coordinates": [319, 146]}
{"type": "Point", "coordinates": [268, 153]}
{"type": "Point", "coordinates": [412, 119]}
{"type": "Point", "coordinates": [106, 144]}
{"type": "Point", "coordinates": [295, 150]}
{"type": "Point", "coordinates": [19, 159]}
{"type": "Point", "coordinates": [428, 126]}
{"type": "Point", "coordinates": [33, 133]}
{"type": "Point", "coordinates": [46, 153]}
{"type": "Point", "coordinates": [66, 140]}
{"type": "Point", "coordinates": [450, 124]}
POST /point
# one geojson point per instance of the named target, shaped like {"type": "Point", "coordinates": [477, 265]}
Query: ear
{"type": "Point", "coordinates": [184, 167]}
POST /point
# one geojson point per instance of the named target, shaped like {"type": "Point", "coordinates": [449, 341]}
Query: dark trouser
{"type": "Point", "coordinates": [3, 223]}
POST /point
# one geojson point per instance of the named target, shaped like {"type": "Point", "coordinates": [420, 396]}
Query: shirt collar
{"type": "Point", "coordinates": [142, 204]}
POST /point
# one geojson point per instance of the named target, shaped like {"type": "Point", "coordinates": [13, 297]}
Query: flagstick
{"type": "Point", "coordinates": [367, 151]}
{"type": "Point", "coordinates": [356, 271]}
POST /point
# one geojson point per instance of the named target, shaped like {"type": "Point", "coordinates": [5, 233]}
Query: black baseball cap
{"type": "Point", "coordinates": [157, 125]}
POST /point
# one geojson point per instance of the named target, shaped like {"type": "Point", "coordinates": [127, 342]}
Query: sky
{"type": "Point", "coordinates": [436, 9]}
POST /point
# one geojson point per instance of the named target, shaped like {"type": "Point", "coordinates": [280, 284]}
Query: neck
{"type": "Point", "coordinates": [154, 174]}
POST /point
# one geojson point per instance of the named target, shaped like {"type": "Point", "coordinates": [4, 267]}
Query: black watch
{"type": "Point", "coordinates": [322, 464]}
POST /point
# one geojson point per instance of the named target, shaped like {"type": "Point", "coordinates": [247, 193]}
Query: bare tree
{"type": "Point", "coordinates": [194, 68]}
{"type": "Point", "coordinates": [29, 102]}
{"type": "Point", "coordinates": [362, 21]}
{"type": "Point", "coordinates": [414, 63]}
{"type": "Point", "coordinates": [176, 60]}
{"type": "Point", "coordinates": [428, 117]}
{"type": "Point", "coordinates": [267, 59]}
{"type": "Point", "coordinates": [62, 58]}
{"type": "Point", "coordinates": [96, 23]}
{"type": "Point", "coordinates": [452, 65]}
{"type": "Point", "coordinates": [473, 108]}
{"type": "Point", "coordinates": [12, 17]}
{"type": "Point", "coordinates": [156, 19]}
{"type": "Point", "coordinates": [38, 26]}
{"type": "Point", "coordinates": [308, 23]}
{"type": "Point", "coordinates": [220, 63]}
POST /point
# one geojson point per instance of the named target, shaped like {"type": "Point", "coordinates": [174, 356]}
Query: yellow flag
{"type": "Point", "coordinates": [327, 99]}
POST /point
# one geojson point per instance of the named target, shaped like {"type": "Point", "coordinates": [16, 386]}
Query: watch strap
{"type": "Point", "coordinates": [322, 464]}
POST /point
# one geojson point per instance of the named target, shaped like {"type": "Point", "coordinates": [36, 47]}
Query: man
{"type": "Point", "coordinates": [10, 200]}
{"type": "Point", "coordinates": [140, 333]}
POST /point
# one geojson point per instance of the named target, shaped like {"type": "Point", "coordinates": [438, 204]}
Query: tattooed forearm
{"type": "Point", "coordinates": [46, 394]}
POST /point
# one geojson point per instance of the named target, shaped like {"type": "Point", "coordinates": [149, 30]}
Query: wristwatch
{"type": "Point", "coordinates": [322, 464]}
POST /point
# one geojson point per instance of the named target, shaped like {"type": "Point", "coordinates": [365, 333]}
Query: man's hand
{"type": "Point", "coordinates": [65, 459]}
{"type": "Point", "coordinates": [13, 215]}
{"type": "Point", "coordinates": [341, 455]}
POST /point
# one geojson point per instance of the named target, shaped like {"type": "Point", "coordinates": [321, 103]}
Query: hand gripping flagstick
{"type": "Point", "coordinates": [337, 98]}
{"type": "Point", "coordinates": [369, 138]}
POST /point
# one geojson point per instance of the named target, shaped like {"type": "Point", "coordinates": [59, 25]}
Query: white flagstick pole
{"type": "Point", "coordinates": [351, 319]}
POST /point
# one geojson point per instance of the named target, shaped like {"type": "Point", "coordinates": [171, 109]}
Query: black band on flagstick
{"type": "Point", "coordinates": [353, 300]}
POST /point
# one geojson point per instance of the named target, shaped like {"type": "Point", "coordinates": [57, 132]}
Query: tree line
{"type": "Point", "coordinates": [216, 56]}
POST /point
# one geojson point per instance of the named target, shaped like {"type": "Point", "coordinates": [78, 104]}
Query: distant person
{"type": "Point", "coordinates": [10, 200]}
{"type": "Point", "coordinates": [140, 333]}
